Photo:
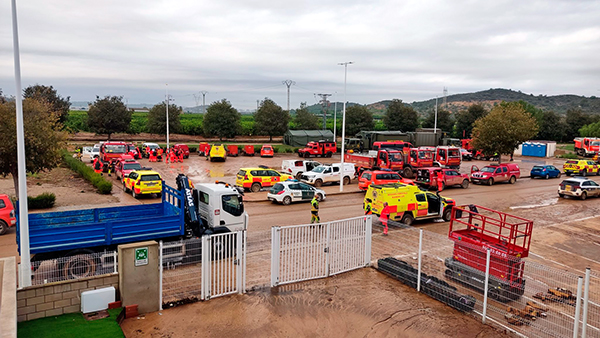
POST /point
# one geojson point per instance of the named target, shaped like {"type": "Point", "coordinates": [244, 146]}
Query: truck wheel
{"type": "Point", "coordinates": [447, 214]}
{"type": "Point", "coordinates": [318, 183]}
{"type": "Point", "coordinates": [287, 200]}
{"type": "Point", "coordinates": [408, 173]}
{"type": "Point", "coordinates": [449, 274]}
{"type": "Point", "coordinates": [490, 181]}
{"type": "Point", "coordinates": [255, 187]}
{"type": "Point", "coordinates": [79, 266]}
{"type": "Point", "coordinates": [299, 175]}
{"type": "Point", "coordinates": [3, 227]}
{"type": "Point", "coordinates": [407, 219]}
{"type": "Point", "coordinates": [568, 173]}
{"type": "Point", "coordinates": [465, 184]}
{"type": "Point", "coordinates": [306, 155]}
{"type": "Point", "coordinates": [346, 180]}
{"type": "Point", "coordinates": [329, 154]}
{"type": "Point", "coordinates": [512, 180]}
{"type": "Point", "coordinates": [583, 196]}
{"type": "Point", "coordinates": [494, 294]}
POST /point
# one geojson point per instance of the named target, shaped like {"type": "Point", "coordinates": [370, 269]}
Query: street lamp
{"type": "Point", "coordinates": [167, 106]}
{"type": "Point", "coordinates": [335, 118]}
{"type": "Point", "coordinates": [345, 64]}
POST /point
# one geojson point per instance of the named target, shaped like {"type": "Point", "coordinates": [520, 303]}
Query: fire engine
{"type": "Point", "coordinates": [587, 146]}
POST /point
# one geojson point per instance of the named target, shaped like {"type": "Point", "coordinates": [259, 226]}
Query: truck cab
{"type": "Point", "coordinates": [449, 157]}
{"type": "Point", "coordinates": [417, 158]}
{"type": "Point", "coordinates": [587, 146]}
{"type": "Point", "coordinates": [354, 144]}
{"type": "Point", "coordinates": [221, 207]}
{"type": "Point", "coordinates": [320, 148]}
{"type": "Point", "coordinates": [494, 173]}
{"type": "Point", "coordinates": [112, 151]}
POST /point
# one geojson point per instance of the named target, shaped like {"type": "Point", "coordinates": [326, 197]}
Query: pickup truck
{"type": "Point", "coordinates": [297, 167]}
{"type": "Point", "coordinates": [73, 236]}
{"type": "Point", "coordinates": [494, 173]}
{"type": "Point", "coordinates": [375, 160]}
{"type": "Point", "coordinates": [328, 173]}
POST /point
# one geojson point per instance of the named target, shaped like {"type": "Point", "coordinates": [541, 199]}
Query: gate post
{"type": "Point", "coordinates": [577, 308]}
{"type": "Point", "coordinates": [205, 271]}
{"type": "Point", "coordinates": [275, 253]}
{"type": "Point", "coordinates": [586, 295]}
{"type": "Point", "coordinates": [368, 236]}
{"type": "Point", "coordinates": [327, 249]}
{"type": "Point", "coordinates": [419, 266]}
{"type": "Point", "coordinates": [486, 286]}
{"type": "Point", "coordinates": [160, 269]}
{"type": "Point", "coordinates": [240, 259]}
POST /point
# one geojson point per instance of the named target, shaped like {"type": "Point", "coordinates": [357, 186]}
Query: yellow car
{"type": "Point", "coordinates": [217, 152]}
{"type": "Point", "coordinates": [143, 182]}
{"type": "Point", "coordinates": [581, 167]}
{"type": "Point", "coordinates": [254, 179]}
{"type": "Point", "coordinates": [407, 202]}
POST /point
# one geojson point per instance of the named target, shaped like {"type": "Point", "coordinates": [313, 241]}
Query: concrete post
{"type": "Point", "coordinates": [139, 275]}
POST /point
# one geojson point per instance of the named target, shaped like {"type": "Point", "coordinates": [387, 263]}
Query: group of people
{"type": "Point", "coordinates": [98, 166]}
{"type": "Point", "coordinates": [172, 155]}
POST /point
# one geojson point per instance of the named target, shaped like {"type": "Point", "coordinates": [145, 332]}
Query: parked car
{"type": "Point", "coordinates": [203, 149]}
{"type": "Point", "coordinates": [86, 154]}
{"type": "Point", "coordinates": [7, 214]}
{"type": "Point", "coordinates": [494, 173]}
{"type": "Point", "coordinates": [328, 173]}
{"type": "Point", "coordinates": [217, 152]}
{"type": "Point", "coordinates": [266, 151]}
{"type": "Point", "coordinates": [545, 171]}
{"type": "Point", "coordinates": [579, 187]}
{"type": "Point", "coordinates": [466, 155]}
{"type": "Point", "coordinates": [369, 177]}
{"type": "Point", "coordinates": [254, 179]}
{"type": "Point", "coordinates": [143, 182]}
{"type": "Point", "coordinates": [581, 167]}
{"type": "Point", "coordinates": [183, 148]}
{"type": "Point", "coordinates": [294, 191]}
{"type": "Point", "coordinates": [297, 167]}
{"type": "Point", "coordinates": [449, 177]}
{"type": "Point", "coordinates": [126, 166]}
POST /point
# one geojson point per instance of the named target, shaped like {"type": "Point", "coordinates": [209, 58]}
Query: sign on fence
{"type": "Point", "coordinates": [141, 256]}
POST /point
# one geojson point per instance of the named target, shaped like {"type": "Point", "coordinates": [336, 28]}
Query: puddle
{"type": "Point", "coordinates": [532, 206]}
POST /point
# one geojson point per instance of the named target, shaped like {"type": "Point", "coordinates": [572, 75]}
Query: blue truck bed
{"type": "Point", "coordinates": [77, 229]}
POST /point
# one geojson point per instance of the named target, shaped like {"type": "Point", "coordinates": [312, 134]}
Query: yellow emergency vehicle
{"type": "Point", "coordinates": [407, 202]}
{"type": "Point", "coordinates": [254, 179]}
{"type": "Point", "coordinates": [143, 182]}
{"type": "Point", "coordinates": [217, 152]}
{"type": "Point", "coordinates": [581, 167]}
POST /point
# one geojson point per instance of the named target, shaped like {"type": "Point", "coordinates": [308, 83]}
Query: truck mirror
{"type": "Point", "coordinates": [474, 169]}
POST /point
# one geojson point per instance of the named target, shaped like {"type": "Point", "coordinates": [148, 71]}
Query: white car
{"type": "Point", "coordinates": [581, 187]}
{"type": "Point", "coordinates": [294, 191]}
{"type": "Point", "coordinates": [328, 173]}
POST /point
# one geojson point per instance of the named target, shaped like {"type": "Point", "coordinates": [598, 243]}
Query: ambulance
{"type": "Point", "coordinates": [407, 203]}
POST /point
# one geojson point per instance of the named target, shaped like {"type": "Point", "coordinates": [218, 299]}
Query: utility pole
{"type": "Point", "coordinates": [325, 104]}
{"type": "Point", "coordinates": [197, 99]}
{"type": "Point", "coordinates": [288, 83]}
{"type": "Point", "coordinates": [167, 106]}
{"type": "Point", "coordinates": [203, 102]}
{"type": "Point", "coordinates": [257, 102]}
{"type": "Point", "coordinates": [345, 64]}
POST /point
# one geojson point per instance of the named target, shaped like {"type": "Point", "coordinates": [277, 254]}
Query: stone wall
{"type": "Point", "coordinates": [57, 298]}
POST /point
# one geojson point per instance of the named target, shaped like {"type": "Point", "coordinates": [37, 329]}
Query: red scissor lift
{"type": "Point", "coordinates": [474, 229]}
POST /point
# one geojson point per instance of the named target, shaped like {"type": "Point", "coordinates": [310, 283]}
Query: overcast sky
{"type": "Point", "coordinates": [243, 50]}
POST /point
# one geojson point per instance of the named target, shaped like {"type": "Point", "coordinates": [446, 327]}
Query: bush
{"type": "Point", "coordinates": [43, 201]}
{"type": "Point", "coordinates": [569, 156]}
{"type": "Point", "coordinates": [104, 187]}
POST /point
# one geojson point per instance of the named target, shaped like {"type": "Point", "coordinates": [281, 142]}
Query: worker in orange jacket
{"type": "Point", "coordinates": [440, 181]}
{"type": "Point", "coordinates": [384, 216]}
{"type": "Point", "coordinates": [97, 166]}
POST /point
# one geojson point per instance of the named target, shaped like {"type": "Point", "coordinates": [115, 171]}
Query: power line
{"type": "Point", "coordinates": [325, 104]}
{"type": "Point", "coordinates": [288, 83]}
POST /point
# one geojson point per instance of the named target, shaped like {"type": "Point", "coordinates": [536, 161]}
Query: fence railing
{"type": "Point", "coordinates": [310, 251]}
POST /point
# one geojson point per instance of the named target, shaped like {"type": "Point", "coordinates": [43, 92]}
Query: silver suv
{"type": "Point", "coordinates": [581, 187]}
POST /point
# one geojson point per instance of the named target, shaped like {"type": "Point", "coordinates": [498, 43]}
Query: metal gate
{"type": "Point", "coordinates": [311, 251]}
{"type": "Point", "coordinates": [201, 269]}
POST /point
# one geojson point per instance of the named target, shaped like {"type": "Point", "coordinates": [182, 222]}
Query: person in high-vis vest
{"type": "Point", "coordinates": [314, 209]}
{"type": "Point", "coordinates": [368, 210]}
{"type": "Point", "coordinates": [385, 215]}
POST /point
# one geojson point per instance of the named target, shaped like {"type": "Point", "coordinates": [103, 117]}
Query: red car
{"type": "Point", "coordinates": [450, 177]}
{"type": "Point", "coordinates": [266, 151]}
{"type": "Point", "coordinates": [7, 214]}
{"type": "Point", "coordinates": [494, 173]}
{"type": "Point", "coordinates": [183, 148]}
{"type": "Point", "coordinates": [124, 167]}
{"type": "Point", "coordinates": [369, 177]}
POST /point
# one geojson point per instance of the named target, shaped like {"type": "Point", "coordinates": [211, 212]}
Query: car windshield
{"type": "Point", "coordinates": [596, 143]}
{"type": "Point", "coordinates": [572, 162]}
{"type": "Point", "coordinates": [96, 150]}
{"type": "Point", "coordinates": [277, 188]}
{"type": "Point", "coordinates": [424, 155]}
{"type": "Point", "coordinates": [453, 153]}
{"type": "Point", "coordinates": [115, 149]}
{"type": "Point", "coordinates": [132, 166]}
{"type": "Point", "coordinates": [150, 177]}
{"type": "Point", "coordinates": [319, 169]}
{"type": "Point", "coordinates": [488, 169]}
{"type": "Point", "coordinates": [395, 157]}
{"type": "Point", "coordinates": [267, 148]}
{"type": "Point", "coordinates": [538, 167]}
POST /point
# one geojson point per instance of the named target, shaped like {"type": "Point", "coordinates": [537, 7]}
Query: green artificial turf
{"type": "Point", "coordinates": [71, 325]}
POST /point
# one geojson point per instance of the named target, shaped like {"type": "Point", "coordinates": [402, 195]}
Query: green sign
{"type": "Point", "coordinates": [141, 256]}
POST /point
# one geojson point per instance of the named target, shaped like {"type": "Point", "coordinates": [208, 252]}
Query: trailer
{"type": "Point", "coordinates": [476, 229]}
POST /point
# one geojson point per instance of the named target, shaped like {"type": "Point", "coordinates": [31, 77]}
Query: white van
{"type": "Point", "coordinates": [297, 167]}
{"type": "Point", "coordinates": [328, 173]}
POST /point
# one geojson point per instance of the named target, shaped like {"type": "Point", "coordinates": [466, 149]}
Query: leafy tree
{"type": "Point", "coordinates": [590, 130]}
{"type": "Point", "coordinates": [109, 115]}
{"type": "Point", "coordinates": [503, 129]}
{"type": "Point", "coordinates": [445, 121]}
{"type": "Point", "coordinates": [358, 118]}
{"type": "Point", "coordinates": [49, 95]}
{"type": "Point", "coordinates": [157, 119]}
{"type": "Point", "coordinates": [466, 118]}
{"type": "Point", "coordinates": [43, 139]}
{"type": "Point", "coordinates": [270, 119]}
{"type": "Point", "coordinates": [575, 120]}
{"type": "Point", "coordinates": [551, 127]}
{"type": "Point", "coordinates": [400, 116]}
{"type": "Point", "coordinates": [222, 120]}
{"type": "Point", "coordinates": [304, 119]}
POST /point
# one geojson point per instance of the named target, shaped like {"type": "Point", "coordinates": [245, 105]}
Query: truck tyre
{"type": "Point", "coordinates": [255, 187]}
{"type": "Point", "coordinates": [512, 180]}
{"type": "Point", "coordinates": [447, 215]}
{"type": "Point", "coordinates": [583, 196]}
{"type": "Point", "coordinates": [408, 173]}
{"type": "Point", "coordinates": [465, 184]}
{"type": "Point", "coordinates": [490, 181]}
{"type": "Point", "coordinates": [306, 155]}
{"type": "Point", "coordinates": [318, 183]}
{"type": "Point", "coordinates": [79, 266]}
{"type": "Point", "coordinates": [329, 154]}
{"type": "Point", "coordinates": [407, 219]}
{"type": "Point", "coordinates": [568, 173]}
{"type": "Point", "coordinates": [3, 227]}
{"type": "Point", "coordinates": [287, 200]}
{"type": "Point", "coordinates": [346, 180]}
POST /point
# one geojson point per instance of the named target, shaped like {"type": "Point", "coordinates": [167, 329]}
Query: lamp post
{"type": "Point", "coordinates": [345, 64]}
{"type": "Point", "coordinates": [335, 118]}
{"type": "Point", "coordinates": [167, 106]}
{"type": "Point", "coordinates": [25, 272]}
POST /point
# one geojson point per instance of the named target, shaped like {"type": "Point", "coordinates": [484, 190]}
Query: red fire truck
{"type": "Point", "coordinates": [587, 146]}
{"type": "Point", "coordinates": [110, 152]}
{"type": "Point", "coordinates": [382, 159]}
{"type": "Point", "coordinates": [320, 148]}
{"type": "Point", "coordinates": [413, 158]}
{"type": "Point", "coordinates": [448, 157]}
{"type": "Point", "coordinates": [475, 229]}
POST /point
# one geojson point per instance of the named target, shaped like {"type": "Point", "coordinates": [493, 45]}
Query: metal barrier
{"type": "Point", "coordinates": [202, 268]}
{"type": "Point", "coordinates": [311, 251]}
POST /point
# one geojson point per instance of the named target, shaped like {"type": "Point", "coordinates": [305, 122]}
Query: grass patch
{"type": "Point", "coordinates": [568, 146]}
{"type": "Point", "coordinates": [569, 156]}
{"type": "Point", "coordinates": [104, 187]}
{"type": "Point", "coordinates": [71, 325]}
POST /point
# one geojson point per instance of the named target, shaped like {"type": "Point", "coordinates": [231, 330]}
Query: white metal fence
{"type": "Point", "coordinates": [202, 268]}
{"type": "Point", "coordinates": [543, 304]}
{"type": "Point", "coordinates": [311, 251]}
{"type": "Point", "coordinates": [73, 267]}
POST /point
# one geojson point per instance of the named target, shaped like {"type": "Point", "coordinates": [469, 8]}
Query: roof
{"type": "Point", "coordinates": [146, 172]}
{"type": "Point", "coordinates": [310, 133]}
{"type": "Point", "coordinates": [578, 179]}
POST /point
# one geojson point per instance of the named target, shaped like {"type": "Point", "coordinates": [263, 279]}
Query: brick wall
{"type": "Point", "coordinates": [58, 298]}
